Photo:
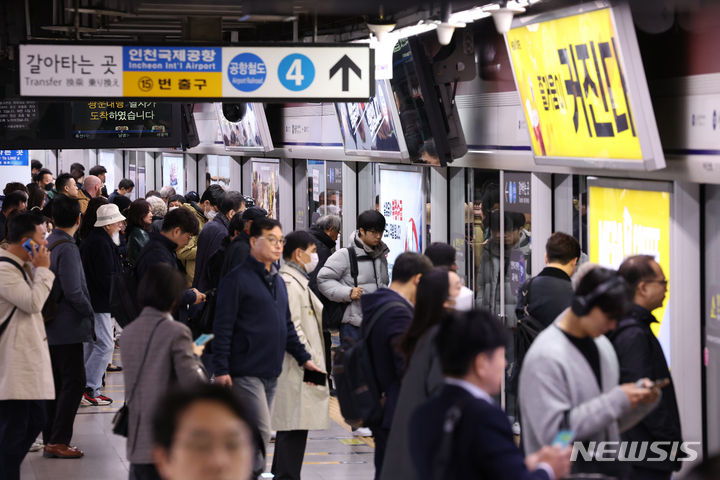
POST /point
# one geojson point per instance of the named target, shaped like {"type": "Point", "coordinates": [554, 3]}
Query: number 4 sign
{"type": "Point", "coordinates": [318, 72]}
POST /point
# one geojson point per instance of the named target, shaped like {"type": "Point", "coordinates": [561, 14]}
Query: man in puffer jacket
{"type": "Point", "coordinates": [337, 284]}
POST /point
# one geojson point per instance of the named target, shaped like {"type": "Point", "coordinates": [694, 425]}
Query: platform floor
{"type": "Point", "coordinates": [331, 454]}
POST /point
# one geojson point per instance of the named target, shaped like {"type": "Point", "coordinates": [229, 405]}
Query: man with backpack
{"type": "Point", "coordinates": [545, 296]}
{"type": "Point", "coordinates": [641, 356]}
{"type": "Point", "coordinates": [352, 272]}
{"type": "Point", "coordinates": [387, 314]}
{"type": "Point", "coordinates": [69, 318]}
{"type": "Point", "coordinates": [26, 380]}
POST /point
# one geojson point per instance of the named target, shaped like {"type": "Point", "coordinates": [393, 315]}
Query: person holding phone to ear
{"type": "Point", "coordinates": [302, 396]}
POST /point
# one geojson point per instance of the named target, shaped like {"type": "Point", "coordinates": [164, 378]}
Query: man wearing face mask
{"type": "Point", "coordinates": [101, 259]}
{"type": "Point", "coordinates": [299, 406]}
{"type": "Point", "coordinates": [211, 237]}
{"type": "Point", "coordinates": [204, 212]}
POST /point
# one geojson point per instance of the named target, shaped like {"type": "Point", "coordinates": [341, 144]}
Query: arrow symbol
{"type": "Point", "coordinates": [346, 65]}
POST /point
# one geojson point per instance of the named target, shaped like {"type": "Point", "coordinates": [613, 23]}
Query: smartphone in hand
{"type": "Point", "coordinates": [30, 246]}
{"type": "Point", "coordinates": [317, 378]}
{"type": "Point", "coordinates": [203, 339]}
{"type": "Point", "coordinates": [563, 438]}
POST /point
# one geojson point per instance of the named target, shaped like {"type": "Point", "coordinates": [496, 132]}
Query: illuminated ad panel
{"type": "Point", "coordinates": [624, 222]}
{"type": "Point", "coordinates": [583, 90]}
{"type": "Point", "coordinates": [402, 204]}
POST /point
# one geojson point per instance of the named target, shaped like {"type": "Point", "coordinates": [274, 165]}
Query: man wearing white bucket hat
{"type": "Point", "coordinates": [101, 259]}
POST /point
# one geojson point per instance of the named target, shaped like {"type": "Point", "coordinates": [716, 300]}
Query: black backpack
{"type": "Point", "coordinates": [358, 391]}
{"type": "Point", "coordinates": [333, 312]}
{"type": "Point", "coordinates": [528, 328]}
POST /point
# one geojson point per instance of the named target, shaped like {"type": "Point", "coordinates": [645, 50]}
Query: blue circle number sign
{"type": "Point", "coordinates": [296, 72]}
{"type": "Point", "coordinates": [247, 72]}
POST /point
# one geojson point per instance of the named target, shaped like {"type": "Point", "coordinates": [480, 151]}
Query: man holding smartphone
{"type": "Point", "coordinates": [641, 356]}
{"type": "Point", "coordinates": [26, 379]}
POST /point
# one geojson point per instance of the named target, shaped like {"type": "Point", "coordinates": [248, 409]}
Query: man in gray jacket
{"type": "Point", "coordinates": [336, 282]}
{"type": "Point", "coordinates": [570, 375]}
{"type": "Point", "coordinates": [72, 325]}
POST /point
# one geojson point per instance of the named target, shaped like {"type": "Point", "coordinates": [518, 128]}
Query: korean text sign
{"type": "Point", "coordinates": [624, 222]}
{"type": "Point", "coordinates": [318, 72]}
{"type": "Point", "coordinates": [574, 88]}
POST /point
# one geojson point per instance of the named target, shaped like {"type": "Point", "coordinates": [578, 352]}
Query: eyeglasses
{"type": "Point", "coordinates": [663, 282]}
{"type": "Point", "coordinates": [274, 241]}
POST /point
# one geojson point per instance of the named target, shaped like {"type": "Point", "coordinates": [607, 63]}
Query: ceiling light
{"type": "Point", "coordinates": [380, 30]}
{"type": "Point", "coordinates": [503, 15]}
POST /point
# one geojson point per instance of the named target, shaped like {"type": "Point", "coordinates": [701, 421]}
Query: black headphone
{"type": "Point", "coordinates": [582, 304]}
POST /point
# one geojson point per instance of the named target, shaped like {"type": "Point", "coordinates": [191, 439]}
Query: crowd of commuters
{"type": "Point", "coordinates": [437, 361]}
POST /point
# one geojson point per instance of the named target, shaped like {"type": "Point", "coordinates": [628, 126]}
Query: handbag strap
{"type": "Point", "coordinates": [12, 312]}
{"type": "Point", "coordinates": [142, 364]}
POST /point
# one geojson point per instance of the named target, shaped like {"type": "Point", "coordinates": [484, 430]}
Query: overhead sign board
{"type": "Point", "coordinates": [583, 89]}
{"type": "Point", "coordinates": [17, 158]}
{"type": "Point", "coordinates": [287, 72]}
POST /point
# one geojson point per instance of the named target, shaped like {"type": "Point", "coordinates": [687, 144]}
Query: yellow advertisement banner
{"type": "Point", "coordinates": [573, 89]}
{"type": "Point", "coordinates": [172, 84]}
{"type": "Point", "coordinates": [623, 222]}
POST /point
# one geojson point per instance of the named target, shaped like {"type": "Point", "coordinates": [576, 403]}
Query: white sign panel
{"type": "Point", "coordinates": [402, 205]}
{"type": "Point", "coordinates": [71, 71]}
{"type": "Point", "coordinates": [297, 72]}
{"type": "Point", "coordinates": [287, 72]}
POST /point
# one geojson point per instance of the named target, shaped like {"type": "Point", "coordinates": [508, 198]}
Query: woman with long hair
{"type": "Point", "coordinates": [436, 295]}
{"type": "Point", "coordinates": [139, 220]}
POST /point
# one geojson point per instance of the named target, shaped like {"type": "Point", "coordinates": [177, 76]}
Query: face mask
{"type": "Point", "coordinates": [116, 238]}
{"type": "Point", "coordinates": [312, 264]}
{"type": "Point", "coordinates": [211, 214]}
{"type": "Point", "coordinates": [49, 186]}
{"type": "Point", "coordinates": [172, 208]}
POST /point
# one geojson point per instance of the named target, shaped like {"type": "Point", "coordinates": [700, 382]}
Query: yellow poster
{"type": "Point", "coordinates": [573, 88]}
{"type": "Point", "coordinates": [623, 222]}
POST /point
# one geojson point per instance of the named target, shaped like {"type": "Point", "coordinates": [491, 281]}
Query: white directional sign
{"type": "Point", "coordinates": [283, 72]}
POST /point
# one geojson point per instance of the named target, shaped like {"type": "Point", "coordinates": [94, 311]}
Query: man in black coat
{"type": "Point", "coordinates": [479, 444]}
{"type": "Point", "coordinates": [178, 227]}
{"type": "Point", "coordinates": [551, 292]}
{"type": "Point", "coordinates": [239, 249]}
{"type": "Point", "coordinates": [101, 259]}
{"type": "Point", "coordinates": [641, 356]}
{"type": "Point", "coordinates": [326, 231]}
{"type": "Point", "coordinates": [212, 236]}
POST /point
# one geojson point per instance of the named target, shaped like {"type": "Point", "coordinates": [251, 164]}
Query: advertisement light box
{"type": "Point", "coordinates": [583, 89]}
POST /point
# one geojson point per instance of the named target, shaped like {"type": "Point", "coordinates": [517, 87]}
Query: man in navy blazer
{"type": "Point", "coordinates": [479, 445]}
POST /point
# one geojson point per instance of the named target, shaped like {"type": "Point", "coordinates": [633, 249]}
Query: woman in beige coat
{"type": "Point", "coordinates": [299, 406]}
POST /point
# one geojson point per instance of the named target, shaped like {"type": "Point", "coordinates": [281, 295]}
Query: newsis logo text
{"type": "Point", "coordinates": [635, 451]}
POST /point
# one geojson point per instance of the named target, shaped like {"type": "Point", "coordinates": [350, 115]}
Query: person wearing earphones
{"type": "Point", "coordinates": [569, 380]}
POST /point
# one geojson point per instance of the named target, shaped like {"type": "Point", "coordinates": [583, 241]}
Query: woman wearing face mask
{"type": "Point", "coordinates": [299, 406]}
{"type": "Point", "coordinates": [436, 296]}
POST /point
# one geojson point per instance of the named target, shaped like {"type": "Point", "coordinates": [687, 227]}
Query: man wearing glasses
{"type": "Point", "coordinates": [641, 356]}
{"type": "Point", "coordinates": [253, 328]}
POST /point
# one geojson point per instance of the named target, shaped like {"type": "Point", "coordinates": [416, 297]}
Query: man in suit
{"type": "Point", "coordinates": [471, 347]}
